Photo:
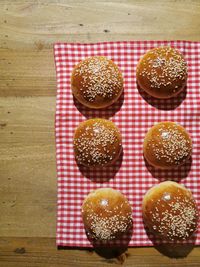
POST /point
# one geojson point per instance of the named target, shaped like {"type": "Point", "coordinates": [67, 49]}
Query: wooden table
{"type": "Point", "coordinates": [28, 29]}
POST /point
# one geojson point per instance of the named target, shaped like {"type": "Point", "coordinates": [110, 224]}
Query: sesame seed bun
{"type": "Point", "coordinates": [170, 212]}
{"type": "Point", "coordinates": [106, 214]}
{"type": "Point", "coordinates": [162, 72]}
{"type": "Point", "coordinates": [97, 82]}
{"type": "Point", "coordinates": [167, 145]}
{"type": "Point", "coordinates": [97, 142]}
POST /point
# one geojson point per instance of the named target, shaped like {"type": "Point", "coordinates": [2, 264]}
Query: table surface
{"type": "Point", "coordinates": [28, 29]}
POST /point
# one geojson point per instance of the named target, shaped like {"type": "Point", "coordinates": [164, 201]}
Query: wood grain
{"type": "Point", "coordinates": [27, 166]}
{"type": "Point", "coordinates": [27, 73]}
{"type": "Point", "coordinates": [33, 24]}
{"type": "Point", "coordinates": [41, 252]}
{"type": "Point", "coordinates": [28, 29]}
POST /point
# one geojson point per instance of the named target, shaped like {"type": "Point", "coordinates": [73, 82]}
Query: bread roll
{"type": "Point", "coordinates": [96, 82]}
{"type": "Point", "coordinates": [170, 212]}
{"type": "Point", "coordinates": [106, 214]}
{"type": "Point", "coordinates": [162, 72]}
{"type": "Point", "coordinates": [167, 145]}
{"type": "Point", "coordinates": [97, 142]}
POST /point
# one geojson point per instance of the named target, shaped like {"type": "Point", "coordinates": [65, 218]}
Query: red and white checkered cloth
{"type": "Point", "coordinates": [134, 115]}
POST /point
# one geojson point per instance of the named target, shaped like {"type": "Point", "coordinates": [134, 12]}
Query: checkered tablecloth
{"type": "Point", "coordinates": [134, 114]}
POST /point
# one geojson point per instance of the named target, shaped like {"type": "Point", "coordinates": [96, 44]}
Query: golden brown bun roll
{"type": "Point", "coordinates": [170, 212]}
{"type": "Point", "coordinates": [162, 72]}
{"type": "Point", "coordinates": [96, 82]}
{"type": "Point", "coordinates": [167, 145]}
{"type": "Point", "coordinates": [97, 142]}
{"type": "Point", "coordinates": [106, 214]}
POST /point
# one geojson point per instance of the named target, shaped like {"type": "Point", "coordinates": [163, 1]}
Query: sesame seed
{"type": "Point", "coordinates": [97, 144]}
{"type": "Point", "coordinates": [170, 144]}
{"type": "Point", "coordinates": [99, 78]}
{"type": "Point", "coordinates": [106, 228]}
{"type": "Point", "coordinates": [107, 218]}
{"type": "Point", "coordinates": [176, 218]}
{"type": "Point", "coordinates": [163, 66]}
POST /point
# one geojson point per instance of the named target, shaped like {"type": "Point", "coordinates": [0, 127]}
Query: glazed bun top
{"type": "Point", "coordinates": [167, 145]}
{"type": "Point", "coordinates": [97, 82]}
{"type": "Point", "coordinates": [162, 72]}
{"type": "Point", "coordinates": [170, 211]}
{"type": "Point", "coordinates": [106, 214]}
{"type": "Point", "coordinates": [97, 142]}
